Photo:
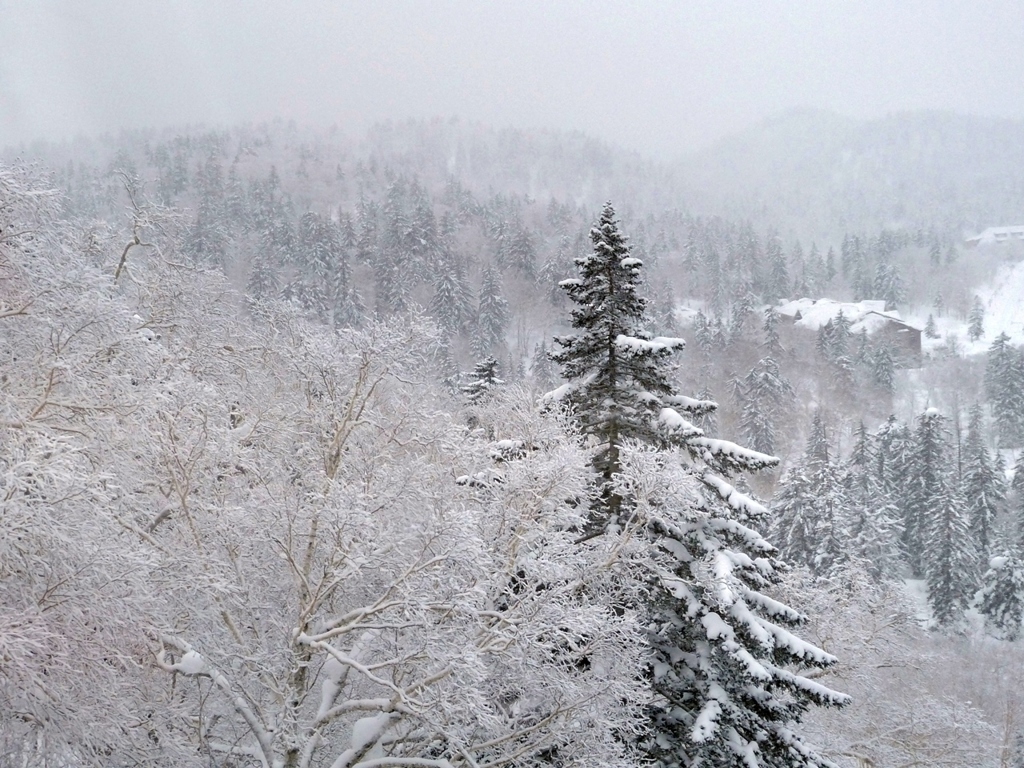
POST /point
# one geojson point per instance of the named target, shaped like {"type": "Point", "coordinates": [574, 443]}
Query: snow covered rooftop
{"type": "Point", "coordinates": [863, 315]}
{"type": "Point", "coordinates": [997, 235]}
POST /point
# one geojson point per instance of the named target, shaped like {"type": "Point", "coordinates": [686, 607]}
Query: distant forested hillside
{"type": "Point", "coordinates": [819, 173]}
{"type": "Point", "coordinates": [475, 226]}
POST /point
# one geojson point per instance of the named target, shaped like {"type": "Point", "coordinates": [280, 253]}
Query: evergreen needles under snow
{"type": "Point", "coordinates": [726, 665]}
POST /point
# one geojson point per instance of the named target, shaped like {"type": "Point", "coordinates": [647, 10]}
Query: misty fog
{"type": "Point", "coordinates": [465, 385]}
{"type": "Point", "coordinates": [660, 78]}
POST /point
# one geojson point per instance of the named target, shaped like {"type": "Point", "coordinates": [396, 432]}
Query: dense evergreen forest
{"type": "Point", "coordinates": [452, 446]}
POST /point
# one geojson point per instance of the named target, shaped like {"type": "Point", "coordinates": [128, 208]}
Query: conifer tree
{"type": "Point", "coordinates": [930, 331]}
{"type": "Point", "coordinates": [873, 518]}
{"type": "Point", "coordinates": [935, 252]}
{"type": "Point", "coordinates": [841, 336]}
{"type": "Point", "coordinates": [1004, 384]}
{"type": "Point", "coordinates": [322, 269]}
{"type": "Point", "coordinates": [801, 281]}
{"type": "Point", "coordinates": [275, 237]}
{"type": "Point", "coordinates": [704, 335]}
{"type": "Point", "coordinates": [858, 271]}
{"type": "Point", "coordinates": [741, 313]}
{"type": "Point", "coordinates": [772, 344]}
{"type": "Point", "coordinates": [893, 450]}
{"type": "Point", "coordinates": [557, 268]}
{"type": "Point", "coordinates": [236, 205]}
{"type": "Point", "coordinates": [392, 282]}
{"type": "Point", "coordinates": [492, 316]}
{"type": "Point", "coordinates": [928, 485]}
{"type": "Point", "coordinates": [812, 508]}
{"type": "Point", "coordinates": [452, 303]}
{"type": "Point", "coordinates": [950, 559]}
{"type": "Point", "coordinates": [367, 247]}
{"type": "Point", "coordinates": [846, 258]}
{"type": "Point", "coordinates": [617, 373]}
{"type": "Point", "coordinates": [999, 467]}
{"type": "Point", "coordinates": [834, 339]}
{"type": "Point", "coordinates": [719, 337]}
{"type": "Point", "coordinates": [1017, 753]}
{"type": "Point", "coordinates": [982, 487]}
{"type": "Point", "coordinates": [823, 341]}
{"type": "Point", "coordinates": [794, 520]}
{"type": "Point", "coordinates": [764, 392]}
{"type": "Point", "coordinates": [765, 395]}
{"type": "Point", "coordinates": [816, 270]}
{"type": "Point", "coordinates": [863, 354]}
{"type": "Point", "coordinates": [346, 307]}
{"type": "Point", "coordinates": [883, 368]}
{"type": "Point", "coordinates": [722, 653]}
{"type": "Point", "coordinates": [664, 309]}
{"type": "Point", "coordinates": [425, 244]}
{"type": "Point", "coordinates": [749, 256]}
{"type": "Point", "coordinates": [937, 532]}
{"type": "Point", "coordinates": [777, 280]}
{"type": "Point", "coordinates": [1001, 597]}
{"type": "Point", "coordinates": [830, 265]}
{"type": "Point", "coordinates": [349, 310]}
{"type": "Point", "coordinates": [515, 368]}
{"type": "Point", "coordinates": [889, 286]}
{"type": "Point", "coordinates": [834, 344]}
{"type": "Point", "coordinates": [519, 252]}
{"type": "Point", "coordinates": [482, 380]}
{"type": "Point", "coordinates": [976, 320]}
{"type": "Point", "coordinates": [1016, 503]}
{"type": "Point", "coordinates": [541, 369]}
{"type": "Point", "coordinates": [207, 238]}
{"type": "Point", "coordinates": [395, 239]}
{"type": "Point", "coordinates": [708, 420]}
{"type": "Point", "coordinates": [713, 278]}
{"type": "Point", "coordinates": [264, 277]}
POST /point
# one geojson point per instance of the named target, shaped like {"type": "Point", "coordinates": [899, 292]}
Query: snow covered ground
{"type": "Point", "coordinates": [1003, 299]}
{"type": "Point", "coordinates": [917, 596]}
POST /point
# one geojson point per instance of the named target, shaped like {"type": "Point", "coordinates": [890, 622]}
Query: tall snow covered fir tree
{"type": "Point", "coordinates": [1001, 597]}
{"type": "Point", "coordinates": [874, 517]}
{"type": "Point", "coordinates": [893, 448]}
{"type": "Point", "coordinates": [482, 380]}
{"type": "Point", "coordinates": [976, 320]}
{"type": "Point", "coordinates": [1004, 384]}
{"type": "Point", "coordinates": [983, 486]}
{"type": "Point", "coordinates": [812, 508]}
{"type": "Point", "coordinates": [493, 315]}
{"type": "Point", "coordinates": [926, 482]}
{"type": "Point", "coordinates": [725, 664]}
{"type": "Point", "coordinates": [1017, 752]}
{"type": "Point", "coordinates": [938, 526]}
{"type": "Point", "coordinates": [766, 395]}
{"type": "Point", "coordinates": [617, 374]}
{"type": "Point", "coordinates": [452, 303]}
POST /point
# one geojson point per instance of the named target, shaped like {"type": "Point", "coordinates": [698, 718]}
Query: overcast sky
{"type": "Point", "coordinates": [660, 77]}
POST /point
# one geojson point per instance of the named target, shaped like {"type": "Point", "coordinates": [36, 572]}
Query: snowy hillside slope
{"type": "Point", "coordinates": [820, 174]}
{"type": "Point", "coordinates": [1003, 299]}
{"type": "Point", "coordinates": [1004, 304]}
